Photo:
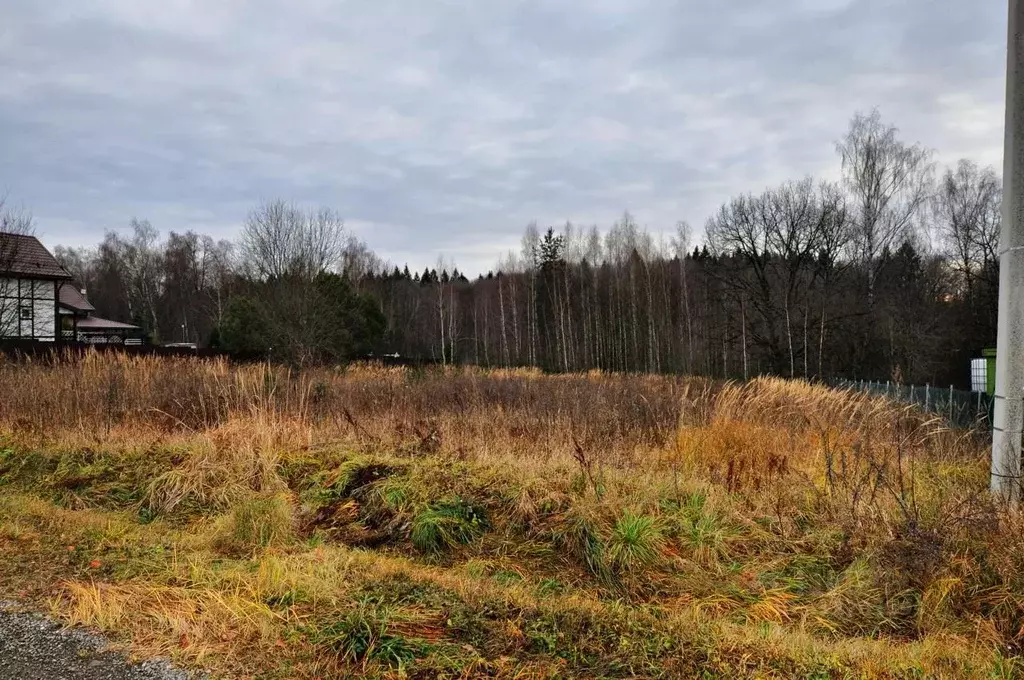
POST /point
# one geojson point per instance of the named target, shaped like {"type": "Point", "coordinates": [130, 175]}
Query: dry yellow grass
{"type": "Point", "coordinates": [463, 523]}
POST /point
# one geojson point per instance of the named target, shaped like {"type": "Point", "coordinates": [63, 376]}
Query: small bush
{"type": "Point", "coordinates": [445, 525]}
{"type": "Point", "coordinates": [636, 542]}
{"type": "Point", "coordinates": [261, 522]}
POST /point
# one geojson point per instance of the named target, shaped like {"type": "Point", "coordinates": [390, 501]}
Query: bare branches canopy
{"type": "Point", "coordinates": [282, 241]}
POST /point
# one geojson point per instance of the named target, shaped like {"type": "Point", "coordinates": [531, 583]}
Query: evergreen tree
{"type": "Point", "coordinates": [549, 299]}
{"type": "Point", "coordinates": [244, 328]}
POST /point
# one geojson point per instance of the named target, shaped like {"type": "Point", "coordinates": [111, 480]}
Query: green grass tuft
{"type": "Point", "coordinates": [636, 542]}
{"type": "Point", "coordinates": [362, 635]}
{"type": "Point", "coordinates": [447, 524]}
{"type": "Point", "coordinates": [706, 536]}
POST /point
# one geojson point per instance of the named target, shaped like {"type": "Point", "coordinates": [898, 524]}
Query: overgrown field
{"type": "Point", "coordinates": [406, 523]}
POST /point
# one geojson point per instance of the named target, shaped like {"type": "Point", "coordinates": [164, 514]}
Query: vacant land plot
{"type": "Point", "coordinates": [462, 523]}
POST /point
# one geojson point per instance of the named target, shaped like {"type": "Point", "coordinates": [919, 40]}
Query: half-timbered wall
{"type": "Point", "coordinates": [28, 308]}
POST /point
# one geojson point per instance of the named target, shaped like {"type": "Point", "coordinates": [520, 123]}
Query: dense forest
{"type": "Point", "coordinates": [889, 273]}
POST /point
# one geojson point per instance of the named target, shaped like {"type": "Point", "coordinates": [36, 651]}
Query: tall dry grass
{"type": "Point", "coordinates": [837, 518]}
{"type": "Point", "coordinates": [516, 413]}
{"type": "Point", "coordinates": [778, 445]}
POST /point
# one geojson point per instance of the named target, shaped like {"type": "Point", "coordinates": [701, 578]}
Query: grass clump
{"type": "Point", "coordinates": [224, 465]}
{"type": "Point", "coordinates": [447, 524]}
{"type": "Point", "coordinates": [580, 537]}
{"type": "Point", "coordinates": [361, 635]}
{"type": "Point", "coordinates": [263, 521]}
{"type": "Point", "coordinates": [707, 538]}
{"type": "Point", "coordinates": [636, 542]}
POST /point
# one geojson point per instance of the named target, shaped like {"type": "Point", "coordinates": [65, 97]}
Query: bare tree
{"type": "Point", "coordinates": [967, 209]}
{"type": "Point", "coordinates": [78, 262]}
{"type": "Point", "coordinates": [220, 279]}
{"type": "Point", "coordinates": [15, 220]}
{"type": "Point", "coordinates": [681, 248]}
{"type": "Point", "coordinates": [530, 244]}
{"type": "Point", "coordinates": [15, 223]}
{"type": "Point", "coordinates": [776, 239]}
{"type": "Point", "coordinates": [442, 308]}
{"type": "Point", "coordinates": [281, 241]}
{"type": "Point", "coordinates": [889, 182]}
{"type": "Point", "coordinates": [143, 263]}
{"type": "Point", "coordinates": [357, 261]}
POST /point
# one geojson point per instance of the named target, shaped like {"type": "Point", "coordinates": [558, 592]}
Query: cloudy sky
{"type": "Point", "coordinates": [447, 125]}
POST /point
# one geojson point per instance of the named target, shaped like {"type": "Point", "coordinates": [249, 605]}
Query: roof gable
{"type": "Point", "coordinates": [24, 255]}
{"type": "Point", "coordinates": [71, 298]}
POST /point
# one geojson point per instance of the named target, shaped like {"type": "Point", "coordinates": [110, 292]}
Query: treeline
{"type": "Point", "coordinates": [288, 289]}
{"type": "Point", "coordinates": [889, 273]}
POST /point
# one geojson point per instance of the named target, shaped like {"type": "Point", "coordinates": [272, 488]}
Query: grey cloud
{"type": "Point", "coordinates": [445, 126]}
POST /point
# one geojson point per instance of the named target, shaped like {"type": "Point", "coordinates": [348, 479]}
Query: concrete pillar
{"type": "Point", "coordinates": [1008, 418]}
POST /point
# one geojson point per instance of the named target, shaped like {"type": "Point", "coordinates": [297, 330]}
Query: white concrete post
{"type": "Point", "coordinates": [1008, 415]}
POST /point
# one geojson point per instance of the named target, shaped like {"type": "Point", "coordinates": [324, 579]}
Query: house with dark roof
{"type": "Point", "coordinates": [38, 300]}
{"type": "Point", "coordinates": [29, 280]}
{"type": "Point", "coordinates": [79, 322]}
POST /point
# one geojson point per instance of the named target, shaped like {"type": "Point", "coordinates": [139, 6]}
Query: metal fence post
{"type": "Point", "coordinates": [950, 403]}
{"type": "Point", "coordinates": [927, 397]}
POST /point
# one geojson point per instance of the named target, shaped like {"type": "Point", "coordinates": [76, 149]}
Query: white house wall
{"type": "Point", "coordinates": [9, 326]}
{"type": "Point", "coordinates": [35, 295]}
{"type": "Point", "coordinates": [8, 320]}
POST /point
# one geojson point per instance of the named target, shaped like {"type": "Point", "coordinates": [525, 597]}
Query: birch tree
{"type": "Point", "coordinates": [889, 183]}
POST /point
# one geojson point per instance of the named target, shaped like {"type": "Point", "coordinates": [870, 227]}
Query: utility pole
{"type": "Point", "coordinates": [1008, 416]}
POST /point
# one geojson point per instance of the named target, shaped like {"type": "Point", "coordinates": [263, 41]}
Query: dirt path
{"type": "Point", "coordinates": [35, 648]}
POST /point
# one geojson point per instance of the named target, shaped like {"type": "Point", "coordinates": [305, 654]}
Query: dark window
{"type": "Point", "coordinates": [26, 312]}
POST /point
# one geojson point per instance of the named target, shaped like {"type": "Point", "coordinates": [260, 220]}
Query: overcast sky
{"type": "Point", "coordinates": [446, 126]}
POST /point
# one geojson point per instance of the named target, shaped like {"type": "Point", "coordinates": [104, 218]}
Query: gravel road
{"type": "Point", "coordinates": [35, 648]}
